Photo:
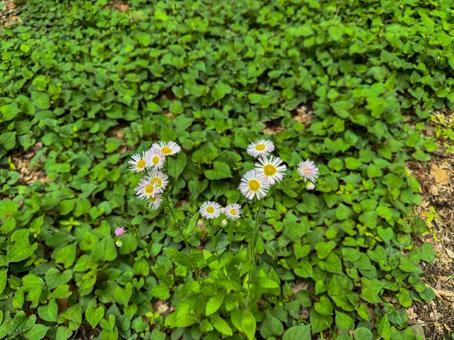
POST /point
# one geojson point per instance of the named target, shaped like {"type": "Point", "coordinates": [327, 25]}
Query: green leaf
{"type": "Point", "coordinates": [3, 278]}
{"type": "Point", "coordinates": [8, 111]}
{"type": "Point", "coordinates": [94, 315]}
{"type": "Point", "coordinates": [319, 322]}
{"type": "Point", "coordinates": [248, 324]}
{"type": "Point", "coordinates": [213, 304]}
{"type": "Point", "coordinates": [324, 306]}
{"type": "Point", "coordinates": [271, 326]}
{"type": "Point", "coordinates": [344, 321]}
{"type": "Point", "coordinates": [304, 269]}
{"type": "Point", "coordinates": [54, 278]}
{"type": "Point", "coordinates": [362, 333]}
{"type": "Point", "coordinates": [8, 140]}
{"type": "Point", "coordinates": [176, 165]}
{"type": "Point", "coordinates": [386, 234]}
{"type": "Point", "coordinates": [105, 250]}
{"type": "Point", "coordinates": [36, 332]}
{"type": "Point", "coordinates": [332, 264]}
{"type": "Point", "coordinates": [220, 325]}
{"type": "Point", "coordinates": [324, 248]}
{"type": "Point", "coordinates": [220, 90]}
{"type": "Point", "coordinates": [300, 332]}
{"type": "Point", "coordinates": [20, 249]}
{"type": "Point", "coordinates": [343, 212]}
{"type": "Point", "coordinates": [341, 108]}
{"type": "Point", "coordinates": [49, 312]}
{"type": "Point", "coordinates": [404, 298]}
{"type": "Point", "coordinates": [220, 170]}
{"type": "Point", "coordinates": [66, 255]}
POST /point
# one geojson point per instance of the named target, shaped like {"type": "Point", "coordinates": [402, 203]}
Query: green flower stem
{"type": "Point", "coordinates": [212, 231]}
{"type": "Point", "coordinates": [253, 248]}
{"type": "Point", "coordinates": [186, 244]}
{"type": "Point", "coordinates": [170, 210]}
{"type": "Point", "coordinates": [142, 242]}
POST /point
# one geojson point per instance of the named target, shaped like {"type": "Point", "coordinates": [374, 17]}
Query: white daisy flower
{"type": "Point", "coordinates": [167, 148]}
{"type": "Point", "coordinates": [233, 211]}
{"type": "Point", "coordinates": [308, 170]}
{"type": "Point", "coordinates": [139, 162]}
{"type": "Point", "coordinates": [273, 168]}
{"type": "Point", "coordinates": [254, 185]}
{"type": "Point", "coordinates": [210, 210]}
{"type": "Point", "coordinates": [145, 189]}
{"type": "Point", "coordinates": [155, 202]}
{"type": "Point", "coordinates": [156, 158]}
{"type": "Point", "coordinates": [260, 148]}
{"type": "Point", "coordinates": [159, 180]}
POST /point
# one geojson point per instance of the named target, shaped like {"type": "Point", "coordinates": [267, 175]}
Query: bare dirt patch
{"type": "Point", "coordinates": [8, 13]}
{"type": "Point", "coordinates": [437, 184]}
{"type": "Point", "coordinates": [304, 115]}
{"type": "Point", "coordinates": [29, 171]}
{"type": "Point", "coordinates": [119, 5]}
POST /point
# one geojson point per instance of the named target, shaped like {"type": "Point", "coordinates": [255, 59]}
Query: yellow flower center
{"type": "Point", "coordinates": [165, 150]}
{"type": "Point", "coordinates": [156, 181]}
{"type": "Point", "coordinates": [233, 211]}
{"type": "Point", "coordinates": [155, 159]}
{"type": "Point", "coordinates": [210, 209]}
{"type": "Point", "coordinates": [254, 184]}
{"type": "Point", "coordinates": [141, 164]}
{"type": "Point", "coordinates": [269, 170]}
{"type": "Point", "coordinates": [149, 189]}
{"type": "Point", "coordinates": [260, 147]}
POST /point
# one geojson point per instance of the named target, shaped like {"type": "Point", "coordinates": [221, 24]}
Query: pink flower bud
{"type": "Point", "coordinates": [119, 231]}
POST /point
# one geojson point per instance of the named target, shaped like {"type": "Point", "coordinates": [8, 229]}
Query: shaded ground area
{"type": "Point", "coordinates": [436, 178]}
{"type": "Point", "coordinates": [8, 13]}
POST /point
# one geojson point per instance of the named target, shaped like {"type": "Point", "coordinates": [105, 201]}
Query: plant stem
{"type": "Point", "coordinates": [253, 248]}
{"type": "Point", "coordinates": [142, 242]}
{"type": "Point", "coordinates": [169, 208]}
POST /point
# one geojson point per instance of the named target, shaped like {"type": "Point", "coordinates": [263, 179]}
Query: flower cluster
{"type": "Point", "coordinates": [152, 161]}
{"type": "Point", "coordinates": [211, 210]}
{"type": "Point", "coordinates": [270, 170]}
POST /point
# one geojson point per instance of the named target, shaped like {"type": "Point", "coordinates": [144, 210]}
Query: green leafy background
{"type": "Point", "coordinates": [82, 86]}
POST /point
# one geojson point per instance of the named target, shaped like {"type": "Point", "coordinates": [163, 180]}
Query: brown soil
{"type": "Point", "coordinates": [8, 15]}
{"type": "Point", "coordinates": [437, 183]}
{"type": "Point", "coordinates": [28, 170]}
{"type": "Point", "coordinates": [119, 5]}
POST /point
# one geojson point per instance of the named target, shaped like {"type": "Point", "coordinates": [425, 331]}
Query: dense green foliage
{"type": "Point", "coordinates": [93, 84]}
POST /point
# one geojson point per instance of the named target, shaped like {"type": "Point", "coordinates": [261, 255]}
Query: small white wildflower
{"type": "Point", "coordinates": [155, 202]}
{"type": "Point", "coordinates": [145, 189]}
{"type": "Point", "coordinates": [308, 170]}
{"type": "Point", "coordinates": [139, 162]}
{"type": "Point", "coordinates": [156, 158]}
{"type": "Point", "coordinates": [273, 168]}
{"type": "Point", "coordinates": [224, 222]}
{"type": "Point", "coordinates": [210, 210]}
{"type": "Point", "coordinates": [167, 148]}
{"type": "Point", "coordinates": [232, 211]}
{"type": "Point", "coordinates": [159, 180]}
{"type": "Point", "coordinates": [260, 148]}
{"type": "Point", "coordinates": [254, 185]}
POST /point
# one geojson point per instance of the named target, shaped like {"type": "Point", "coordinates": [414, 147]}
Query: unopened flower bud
{"type": "Point", "coordinates": [119, 231]}
{"type": "Point", "coordinates": [310, 186]}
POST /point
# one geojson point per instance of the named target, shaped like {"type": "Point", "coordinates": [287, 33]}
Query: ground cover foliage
{"type": "Point", "coordinates": [83, 85]}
